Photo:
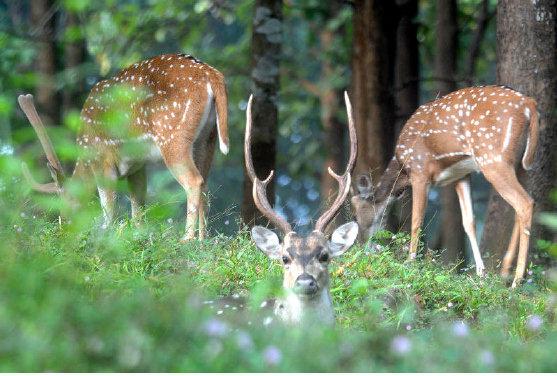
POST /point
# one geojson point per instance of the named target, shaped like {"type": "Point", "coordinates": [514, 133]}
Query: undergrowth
{"type": "Point", "coordinates": [74, 298]}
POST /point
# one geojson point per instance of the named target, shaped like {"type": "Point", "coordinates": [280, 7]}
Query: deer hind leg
{"type": "Point", "coordinates": [203, 156]}
{"type": "Point", "coordinates": [106, 186]}
{"type": "Point", "coordinates": [419, 201]}
{"type": "Point", "coordinates": [511, 250]}
{"type": "Point", "coordinates": [183, 168]}
{"type": "Point", "coordinates": [503, 178]}
{"type": "Point", "coordinates": [462, 188]}
{"type": "Point", "coordinates": [137, 183]}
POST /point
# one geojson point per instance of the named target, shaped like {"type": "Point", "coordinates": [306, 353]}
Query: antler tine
{"type": "Point", "coordinates": [44, 188]}
{"type": "Point", "coordinates": [344, 180]}
{"type": "Point", "coordinates": [260, 187]}
{"type": "Point", "coordinates": [28, 107]}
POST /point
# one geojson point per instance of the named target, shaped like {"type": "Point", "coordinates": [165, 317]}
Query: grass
{"type": "Point", "coordinates": [73, 298]}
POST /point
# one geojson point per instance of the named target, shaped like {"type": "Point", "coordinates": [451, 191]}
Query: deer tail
{"type": "Point", "coordinates": [531, 112]}
{"type": "Point", "coordinates": [221, 103]}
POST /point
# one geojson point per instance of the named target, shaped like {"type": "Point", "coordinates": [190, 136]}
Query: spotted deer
{"type": "Point", "coordinates": [305, 259]}
{"type": "Point", "coordinates": [472, 129]}
{"type": "Point", "coordinates": [157, 108]}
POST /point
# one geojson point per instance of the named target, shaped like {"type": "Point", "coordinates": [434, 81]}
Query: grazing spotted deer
{"type": "Point", "coordinates": [159, 107]}
{"type": "Point", "coordinates": [472, 129]}
{"type": "Point", "coordinates": [305, 259]}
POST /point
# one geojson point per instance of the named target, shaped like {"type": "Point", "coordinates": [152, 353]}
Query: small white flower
{"type": "Point", "coordinates": [534, 322]}
{"type": "Point", "coordinates": [401, 345]}
{"type": "Point", "coordinates": [244, 341]}
{"type": "Point", "coordinates": [215, 328]}
{"type": "Point", "coordinates": [272, 355]}
{"type": "Point", "coordinates": [450, 304]}
{"type": "Point", "coordinates": [460, 329]}
{"type": "Point", "coordinates": [487, 358]}
{"type": "Point", "coordinates": [408, 327]}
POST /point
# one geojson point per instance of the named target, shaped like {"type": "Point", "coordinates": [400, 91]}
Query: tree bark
{"type": "Point", "coordinates": [74, 57]}
{"type": "Point", "coordinates": [329, 98]}
{"type": "Point", "coordinates": [526, 58]}
{"type": "Point", "coordinates": [406, 83]}
{"type": "Point", "coordinates": [374, 48]}
{"type": "Point", "coordinates": [43, 21]}
{"type": "Point", "coordinates": [266, 49]}
{"type": "Point", "coordinates": [451, 230]}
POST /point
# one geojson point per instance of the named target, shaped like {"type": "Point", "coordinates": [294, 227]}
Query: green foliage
{"type": "Point", "coordinates": [74, 298]}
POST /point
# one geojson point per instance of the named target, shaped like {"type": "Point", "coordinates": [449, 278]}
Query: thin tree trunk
{"type": "Point", "coordinates": [74, 57]}
{"type": "Point", "coordinates": [43, 20]}
{"type": "Point", "coordinates": [526, 58]}
{"type": "Point", "coordinates": [452, 232]}
{"type": "Point", "coordinates": [406, 83]}
{"type": "Point", "coordinates": [266, 49]}
{"type": "Point", "coordinates": [374, 48]}
{"type": "Point", "coordinates": [329, 98]}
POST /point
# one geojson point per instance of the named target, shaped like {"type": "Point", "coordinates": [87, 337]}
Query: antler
{"type": "Point", "coordinates": [344, 180]}
{"type": "Point", "coordinates": [54, 165]}
{"type": "Point", "coordinates": [260, 187]}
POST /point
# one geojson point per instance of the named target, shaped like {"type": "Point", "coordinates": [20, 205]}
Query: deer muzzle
{"type": "Point", "coordinates": [305, 285]}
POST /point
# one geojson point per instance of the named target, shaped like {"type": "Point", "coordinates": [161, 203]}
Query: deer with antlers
{"type": "Point", "coordinates": [305, 259]}
{"type": "Point", "coordinates": [472, 129]}
{"type": "Point", "coordinates": [162, 107]}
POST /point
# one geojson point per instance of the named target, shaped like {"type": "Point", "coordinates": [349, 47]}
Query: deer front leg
{"type": "Point", "coordinates": [419, 201]}
{"type": "Point", "coordinates": [137, 183]}
{"type": "Point", "coordinates": [462, 188]}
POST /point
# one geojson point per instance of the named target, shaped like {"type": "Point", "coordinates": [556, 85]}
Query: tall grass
{"type": "Point", "coordinates": [74, 298]}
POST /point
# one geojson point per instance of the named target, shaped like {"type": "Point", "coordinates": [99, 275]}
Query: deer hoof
{"type": "Point", "coordinates": [187, 238]}
{"type": "Point", "coordinates": [516, 283]}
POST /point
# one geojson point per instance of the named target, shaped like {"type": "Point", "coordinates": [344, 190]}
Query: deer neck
{"type": "Point", "coordinates": [392, 183]}
{"type": "Point", "coordinates": [295, 310]}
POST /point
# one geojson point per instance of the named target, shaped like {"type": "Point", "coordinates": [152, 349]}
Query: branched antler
{"type": "Point", "coordinates": [260, 187]}
{"type": "Point", "coordinates": [54, 165]}
{"type": "Point", "coordinates": [344, 180]}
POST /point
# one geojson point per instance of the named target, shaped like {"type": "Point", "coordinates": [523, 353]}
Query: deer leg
{"type": "Point", "coordinates": [462, 188]}
{"type": "Point", "coordinates": [419, 201]}
{"type": "Point", "coordinates": [190, 179]}
{"type": "Point", "coordinates": [203, 157]}
{"type": "Point", "coordinates": [503, 178]}
{"type": "Point", "coordinates": [106, 186]}
{"type": "Point", "coordinates": [137, 183]}
{"type": "Point", "coordinates": [511, 250]}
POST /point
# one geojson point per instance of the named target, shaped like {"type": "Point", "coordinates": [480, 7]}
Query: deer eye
{"type": "Point", "coordinates": [324, 257]}
{"type": "Point", "coordinates": [285, 260]}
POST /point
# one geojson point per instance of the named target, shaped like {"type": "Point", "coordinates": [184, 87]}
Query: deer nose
{"type": "Point", "coordinates": [305, 284]}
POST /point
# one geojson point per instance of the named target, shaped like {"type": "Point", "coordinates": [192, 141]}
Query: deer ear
{"type": "Point", "coordinates": [267, 241]}
{"type": "Point", "coordinates": [364, 186]}
{"type": "Point", "coordinates": [343, 238]}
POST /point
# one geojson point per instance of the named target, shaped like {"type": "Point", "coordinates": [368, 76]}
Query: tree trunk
{"type": "Point", "coordinates": [374, 49]}
{"type": "Point", "coordinates": [451, 230]}
{"type": "Point", "coordinates": [266, 49]}
{"type": "Point", "coordinates": [329, 98]}
{"type": "Point", "coordinates": [526, 47]}
{"type": "Point", "coordinates": [74, 57]}
{"type": "Point", "coordinates": [43, 20]}
{"type": "Point", "coordinates": [406, 83]}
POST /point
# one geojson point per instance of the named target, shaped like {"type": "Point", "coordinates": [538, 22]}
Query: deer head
{"type": "Point", "coordinates": [305, 259]}
{"type": "Point", "coordinates": [370, 202]}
